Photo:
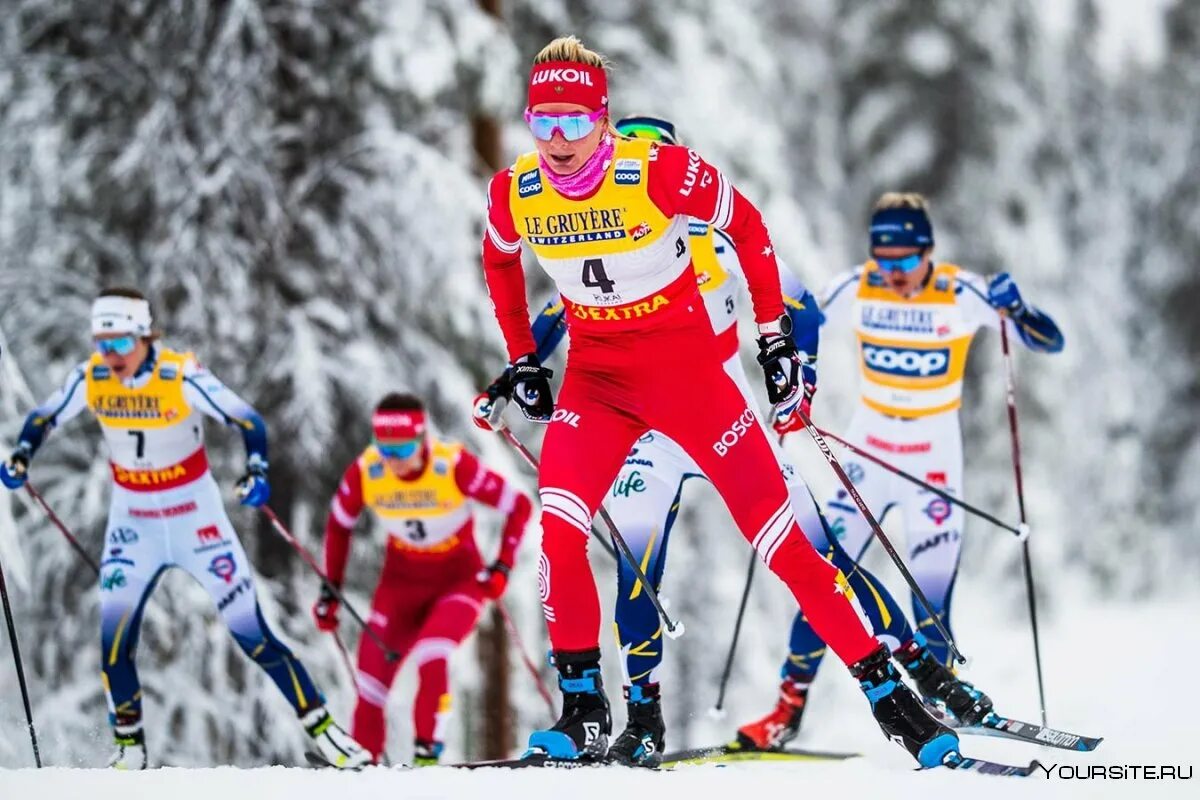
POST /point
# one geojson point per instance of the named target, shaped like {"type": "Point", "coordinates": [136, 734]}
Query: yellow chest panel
{"type": "Point", "coordinates": [912, 350]}
{"type": "Point", "coordinates": [710, 275]}
{"type": "Point", "coordinates": [160, 403]}
{"type": "Point", "coordinates": [619, 217]}
{"type": "Point", "coordinates": [433, 494]}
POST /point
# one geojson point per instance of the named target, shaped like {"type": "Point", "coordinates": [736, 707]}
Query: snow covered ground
{"type": "Point", "coordinates": [1115, 671]}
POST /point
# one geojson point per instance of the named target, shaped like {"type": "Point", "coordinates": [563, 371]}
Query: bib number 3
{"type": "Point", "coordinates": [595, 277]}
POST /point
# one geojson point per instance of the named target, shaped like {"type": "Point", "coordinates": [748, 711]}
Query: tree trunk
{"type": "Point", "coordinates": [497, 716]}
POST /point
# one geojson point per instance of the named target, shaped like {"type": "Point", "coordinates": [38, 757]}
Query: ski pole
{"type": "Point", "coordinates": [1011, 396]}
{"type": "Point", "coordinates": [673, 629]}
{"type": "Point", "coordinates": [718, 711]}
{"type": "Point", "coordinates": [337, 639]}
{"type": "Point", "coordinates": [1021, 531]}
{"type": "Point", "coordinates": [16, 649]}
{"type": "Point", "coordinates": [58, 523]}
{"type": "Point", "coordinates": [513, 634]}
{"type": "Point", "coordinates": [388, 653]}
{"type": "Point", "coordinates": [823, 446]}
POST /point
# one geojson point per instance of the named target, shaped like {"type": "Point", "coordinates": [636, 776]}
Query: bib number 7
{"type": "Point", "coordinates": [595, 277]}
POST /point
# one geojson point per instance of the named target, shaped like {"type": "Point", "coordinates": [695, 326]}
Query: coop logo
{"type": "Point", "coordinates": [735, 433]}
{"type": "Point", "coordinates": [628, 172]}
{"type": "Point", "coordinates": [561, 75]}
{"type": "Point", "coordinates": [529, 183]}
{"type": "Point", "coordinates": [906, 363]}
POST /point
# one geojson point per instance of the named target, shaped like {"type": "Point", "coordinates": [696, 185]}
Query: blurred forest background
{"type": "Point", "coordinates": [298, 185]}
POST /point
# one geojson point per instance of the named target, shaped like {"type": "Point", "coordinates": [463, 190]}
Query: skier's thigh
{"type": "Point", "coordinates": [583, 450]}
{"type": "Point", "coordinates": [643, 499]}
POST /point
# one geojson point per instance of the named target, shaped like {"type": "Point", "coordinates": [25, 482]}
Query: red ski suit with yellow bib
{"type": "Point", "coordinates": [643, 356]}
{"type": "Point", "coordinates": [429, 596]}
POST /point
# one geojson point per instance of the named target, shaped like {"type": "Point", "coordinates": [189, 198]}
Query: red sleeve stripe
{"type": "Point", "coordinates": [345, 519]}
{"type": "Point", "coordinates": [499, 241]}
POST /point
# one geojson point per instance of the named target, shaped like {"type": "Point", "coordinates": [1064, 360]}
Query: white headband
{"type": "Point", "coordinates": [121, 315]}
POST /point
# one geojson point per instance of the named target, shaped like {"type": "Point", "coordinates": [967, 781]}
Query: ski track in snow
{"type": "Point", "coordinates": [1110, 672]}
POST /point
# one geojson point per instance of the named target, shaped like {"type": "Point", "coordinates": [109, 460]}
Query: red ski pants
{"type": "Point", "coordinates": [423, 617]}
{"type": "Point", "coordinates": [669, 379]}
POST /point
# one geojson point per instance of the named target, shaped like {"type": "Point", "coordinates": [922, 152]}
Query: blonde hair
{"type": "Point", "coordinates": [913, 200]}
{"type": "Point", "coordinates": [570, 48]}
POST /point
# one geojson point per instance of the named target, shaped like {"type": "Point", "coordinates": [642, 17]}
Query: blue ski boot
{"type": "Point", "coordinates": [900, 714]}
{"type": "Point", "coordinates": [942, 688]}
{"type": "Point", "coordinates": [582, 730]}
{"type": "Point", "coordinates": [641, 743]}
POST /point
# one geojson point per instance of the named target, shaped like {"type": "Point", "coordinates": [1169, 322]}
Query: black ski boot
{"type": "Point", "coordinates": [641, 743]}
{"type": "Point", "coordinates": [899, 712]}
{"type": "Point", "coordinates": [583, 729]}
{"type": "Point", "coordinates": [940, 687]}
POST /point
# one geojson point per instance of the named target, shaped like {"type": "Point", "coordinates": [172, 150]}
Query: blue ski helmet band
{"type": "Point", "coordinates": [901, 227]}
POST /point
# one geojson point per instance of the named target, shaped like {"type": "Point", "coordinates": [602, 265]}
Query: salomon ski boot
{"type": "Point", "coordinates": [900, 714]}
{"type": "Point", "coordinates": [781, 725]}
{"type": "Point", "coordinates": [582, 730]}
{"type": "Point", "coordinates": [426, 754]}
{"type": "Point", "coordinates": [641, 743]}
{"type": "Point", "coordinates": [941, 687]}
{"type": "Point", "coordinates": [131, 747]}
{"type": "Point", "coordinates": [337, 748]}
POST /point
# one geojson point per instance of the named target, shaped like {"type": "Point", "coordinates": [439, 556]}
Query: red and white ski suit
{"type": "Point", "coordinates": [429, 597]}
{"type": "Point", "coordinates": [643, 356]}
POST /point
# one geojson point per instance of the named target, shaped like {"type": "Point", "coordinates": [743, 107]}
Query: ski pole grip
{"type": "Point", "coordinates": [1023, 532]}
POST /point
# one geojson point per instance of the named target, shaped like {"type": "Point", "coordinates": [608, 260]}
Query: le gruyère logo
{"type": "Point", "coordinates": [125, 406]}
{"type": "Point", "coordinates": [590, 225]}
{"type": "Point", "coordinates": [409, 500]}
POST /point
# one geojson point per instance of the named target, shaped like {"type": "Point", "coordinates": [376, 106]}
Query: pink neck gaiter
{"type": "Point", "coordinates": [584, 180]}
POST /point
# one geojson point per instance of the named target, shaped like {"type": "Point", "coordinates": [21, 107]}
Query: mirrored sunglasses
{"type": "Point", "coordinates": [573, 127]}
{"type": "Point", "coordinates": [122, 345]}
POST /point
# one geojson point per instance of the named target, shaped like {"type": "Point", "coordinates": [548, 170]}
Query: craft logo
{"type": "Point", "coordinates": [906, 363]}
{"type": "Point", "coordinates": [224, 567]}
{"type": "Point", "coordinates": [233, 594]}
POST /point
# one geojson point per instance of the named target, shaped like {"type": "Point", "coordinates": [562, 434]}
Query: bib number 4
{"type": "Point", "coordinates": [594, 276]}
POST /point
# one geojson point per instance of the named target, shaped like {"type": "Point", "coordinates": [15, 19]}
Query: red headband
{"type": "Point", "coordinates": [394, 426]}
{"type": "Point", "coordinates": [568, 82]}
